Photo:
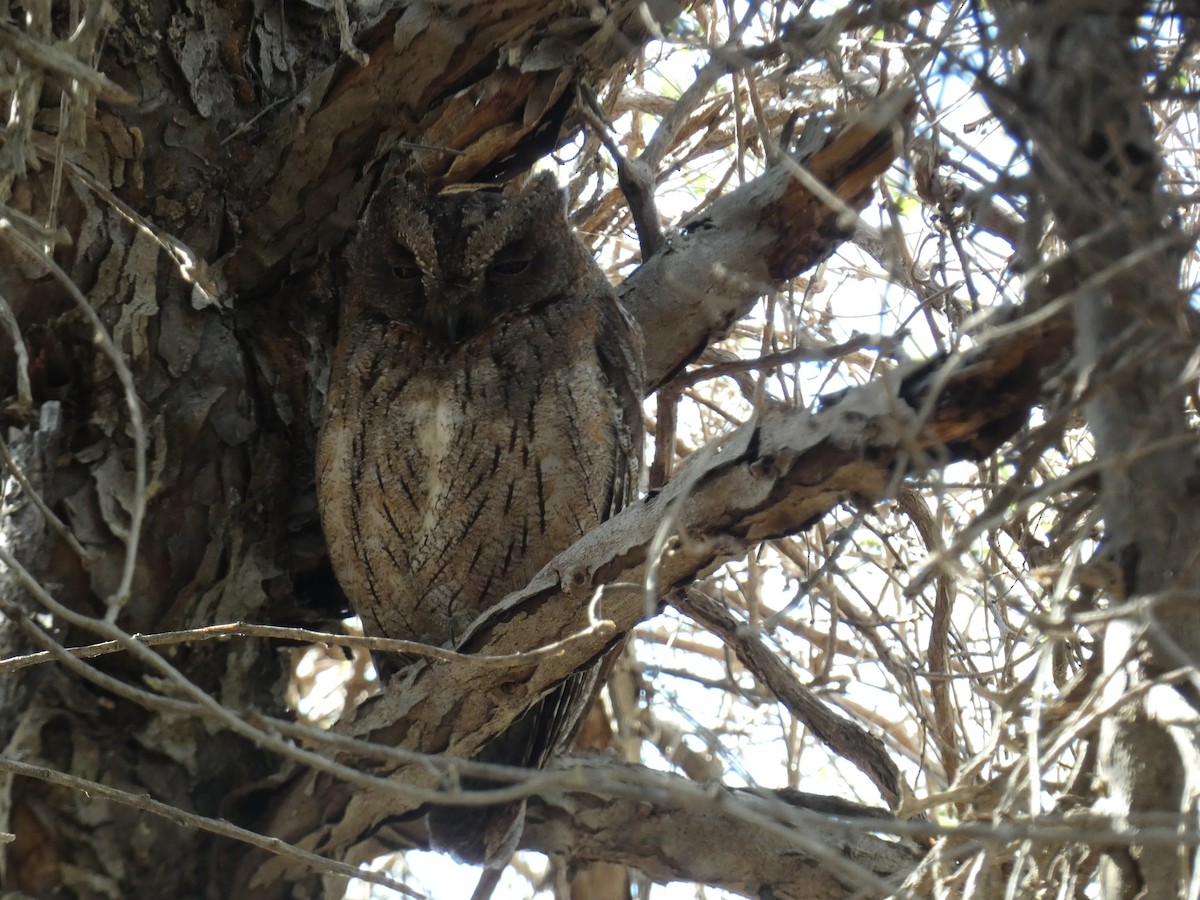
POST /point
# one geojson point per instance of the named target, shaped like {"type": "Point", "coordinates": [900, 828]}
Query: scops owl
{"type": "Point", "coordinates": [484, 412]}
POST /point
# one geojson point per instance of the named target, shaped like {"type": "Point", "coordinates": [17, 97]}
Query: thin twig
{"type": "Point", "coordinates": [598, 628]}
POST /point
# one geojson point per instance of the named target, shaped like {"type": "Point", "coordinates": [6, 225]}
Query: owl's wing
{"type": "Point", "coordinates": [619, 348]}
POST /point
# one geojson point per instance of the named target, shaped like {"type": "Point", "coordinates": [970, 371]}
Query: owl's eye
{"type": "Point", "coordinates": [403, 263]}
{"type": "Point", "coordinates": [506, 268]}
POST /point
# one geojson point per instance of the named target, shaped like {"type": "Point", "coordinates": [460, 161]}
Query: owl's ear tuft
{"type": "Point", "coordinates": [543, 182]}
{"type": "Point", "coordinates": [398, 190]}
{"type": "Point", "coordinates": [543, 195]}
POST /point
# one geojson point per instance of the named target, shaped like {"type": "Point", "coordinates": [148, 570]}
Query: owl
{"type": "Point", "coordinates": [483, 413]}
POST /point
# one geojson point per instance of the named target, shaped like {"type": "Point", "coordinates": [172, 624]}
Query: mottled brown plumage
{"type": "Point", "coordinates": [484, 412]}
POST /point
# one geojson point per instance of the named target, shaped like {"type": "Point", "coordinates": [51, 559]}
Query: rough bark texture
{"type": "Point", "coordinates": [710, 274]}
{"type": "Point", "coordinates": [248, 142]}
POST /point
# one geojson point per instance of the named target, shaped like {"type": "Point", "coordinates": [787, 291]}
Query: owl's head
{"type": "Point", "coordinates": [451, 264]}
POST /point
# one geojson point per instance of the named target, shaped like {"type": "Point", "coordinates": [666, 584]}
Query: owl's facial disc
{"type": "Point", "coordinates": [468, 298]}
{"type": "Point", "coordinates": [451, 266]}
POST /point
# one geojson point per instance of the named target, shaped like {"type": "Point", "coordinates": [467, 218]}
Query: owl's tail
{"type": "Point", "coordinates": [488, 835]}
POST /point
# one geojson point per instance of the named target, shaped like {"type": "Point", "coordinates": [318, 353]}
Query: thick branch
{"type": "Point", "coordinates": [755, 238]}
{"type": "Point", "coordinates": [748, 844]}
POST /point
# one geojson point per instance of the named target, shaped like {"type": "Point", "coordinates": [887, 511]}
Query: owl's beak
{"type": "Point", "coordinates": [457, 317]}
{"type": "Point", "coordinates": [448, 318]}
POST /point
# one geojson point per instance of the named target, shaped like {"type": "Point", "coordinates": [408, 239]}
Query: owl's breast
{"type": "Point", "coordinates": [449, 482]}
